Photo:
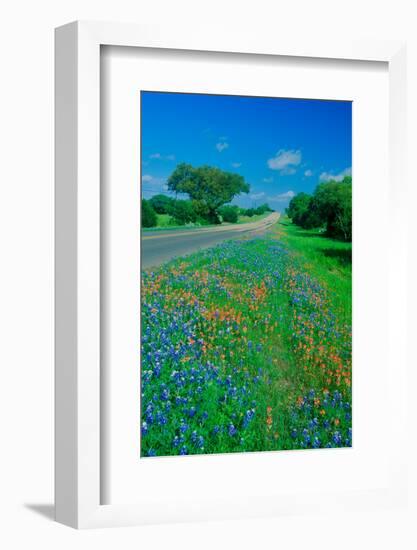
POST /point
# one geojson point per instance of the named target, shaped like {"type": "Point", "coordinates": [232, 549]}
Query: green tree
{"type": "Point", "coordinates": [229, 213]}
{"type": "Point", "coordinates": [263, 208]}
{"type": "Point", "coordinates": [208, 187]}
{"type": "Point", "coordinates": [329, 207]}
{"type": "Point", "coordinates": [162, 204]}
{"type": "Point", "coordinates": [333, 201]}
{"type": "Point", "coordinates": [298, 207]}
{"type": "Point", "coordinates": [183, 212]}
{"type": "Point", "coordinates": [149, 218]}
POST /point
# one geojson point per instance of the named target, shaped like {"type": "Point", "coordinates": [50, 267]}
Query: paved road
{"type": "Point", "coordinates": [161, 246]}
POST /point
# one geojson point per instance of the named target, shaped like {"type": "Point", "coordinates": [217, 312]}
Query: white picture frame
{"type": "Point", "coordinates": [77, 242]}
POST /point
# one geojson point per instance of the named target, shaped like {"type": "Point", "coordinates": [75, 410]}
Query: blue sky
{"type": "Point", "coordinates": [280, 146]}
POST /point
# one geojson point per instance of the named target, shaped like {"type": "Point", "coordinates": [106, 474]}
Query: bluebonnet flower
{"type": "Point", "coordinates": [144, 428]}
{"type": "Point", "coordinates": [248, 417]}
{"type": "Point", "coordinates": [313, 423]}
{"type": "Point", "coordinates": [151, 452]}
{"type": "Point", "coordinates": [161, 418]}
{"type": "Point", "coordinates": [177, 440]}
{"type": "Point", "coordinates": [191, 412]}
{"type": "Point", "coordinates": [165, 394]}
{"type": "Point", "coordinates": [232, 430]}
{"type": "Point", "coordinates": [337, 438]}
{"type": "Point", "coordinates": [183, 426]}
{"type": "Point", "coordinates": [316, 443]}
{"type": "Point", "coordinates": [183, 450]}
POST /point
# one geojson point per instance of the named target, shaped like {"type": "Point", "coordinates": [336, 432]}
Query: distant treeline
{"type": "Point", "coordinates": [210, 192]}
{"type": "Point", "coordinates": [328, 208]}
{"type": "Point", "coordinates": [184, 212]}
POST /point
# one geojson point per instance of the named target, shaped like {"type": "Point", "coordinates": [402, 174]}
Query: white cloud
{"type": "Point", "coordinates": [328, 176]}
{"type": "Point", "coordinates": [308, 173]}
{"type": "Point", "coordinates": [285, 161]}
{"type": "Point", "coordinates": [147, 177]}
{"type": "Point", "coordinates": [236, 164]}
{"type": "Point", "coordinates": [288, 171]}
{"type": "Point", "coordinates": [221, 146]}
{"type": "Point", "coordinates": [268, 180]}
{"type": "Point", "coordinates": [161, 157]}
{"type": "Point", "coordinates": [282, 197]}
{"type": "Point", "coordinates": [257, 196]}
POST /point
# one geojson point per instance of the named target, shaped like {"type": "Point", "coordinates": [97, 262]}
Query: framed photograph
{"type": "Point", "coordinates": [229, 331]}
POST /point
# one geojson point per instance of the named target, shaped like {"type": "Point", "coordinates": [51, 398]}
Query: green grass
{"type": "Point", "coordinates": [258, 327]}
{"type": "Point", "coordinates": [328, 260]}
{"type": "Point", "coordinates": [164, 220]}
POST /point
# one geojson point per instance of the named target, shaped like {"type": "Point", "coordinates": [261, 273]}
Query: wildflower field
{"type": "Point", "coordinates": [246, 346]}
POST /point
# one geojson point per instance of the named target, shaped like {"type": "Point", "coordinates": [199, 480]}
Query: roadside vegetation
{"type": "Point", "coordinates": [329, 208]}
{"type": "Point", "coordinates": [170, 213]}
{"type": "Point", "coordinates": [246, 346]}
{"type": "Point", "coordinates": [210, 193]}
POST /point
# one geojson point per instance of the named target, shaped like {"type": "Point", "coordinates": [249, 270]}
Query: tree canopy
{"type": "Point", "coordinates": [329, 207]}
{"type": "Point", "coordinates": [208, 187]}
{"type": "Point", "coordinates": [162, 204]}
{"type": "Point", "coordinates": [148, 214]}
{"type": "Point", "coordinates": [229, 213]}
{"type": "Point", "coordinates": [183, 212]}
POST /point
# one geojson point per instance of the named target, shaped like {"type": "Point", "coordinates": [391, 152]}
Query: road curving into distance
{"type": "Point", "coordinates": [160, 246]}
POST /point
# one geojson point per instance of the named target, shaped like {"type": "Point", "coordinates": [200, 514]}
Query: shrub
{"type": "Point", "coordinates": [262, 209]}
{"type": "Point", "coordinates": [183, 212]}
{"type": "Point", "coordinates": [330, 206]}
{"type": "Point", "coordinates": [333, 202]}
{"type": "Point", "coordinates": [162, 204]}
{"type": "Point", "coordinates": [149, 218]}
{"type": "Point", "coordinates": [229, 213]}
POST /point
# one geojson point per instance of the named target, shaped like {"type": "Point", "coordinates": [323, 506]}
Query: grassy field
{"type": "Point", "coordinates": [246, 346]}
{"type": "Point", "coordinates": [328, 260]}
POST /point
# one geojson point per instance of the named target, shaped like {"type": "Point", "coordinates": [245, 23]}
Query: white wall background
{"type": "Point", "coordinates": [26, 268]}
